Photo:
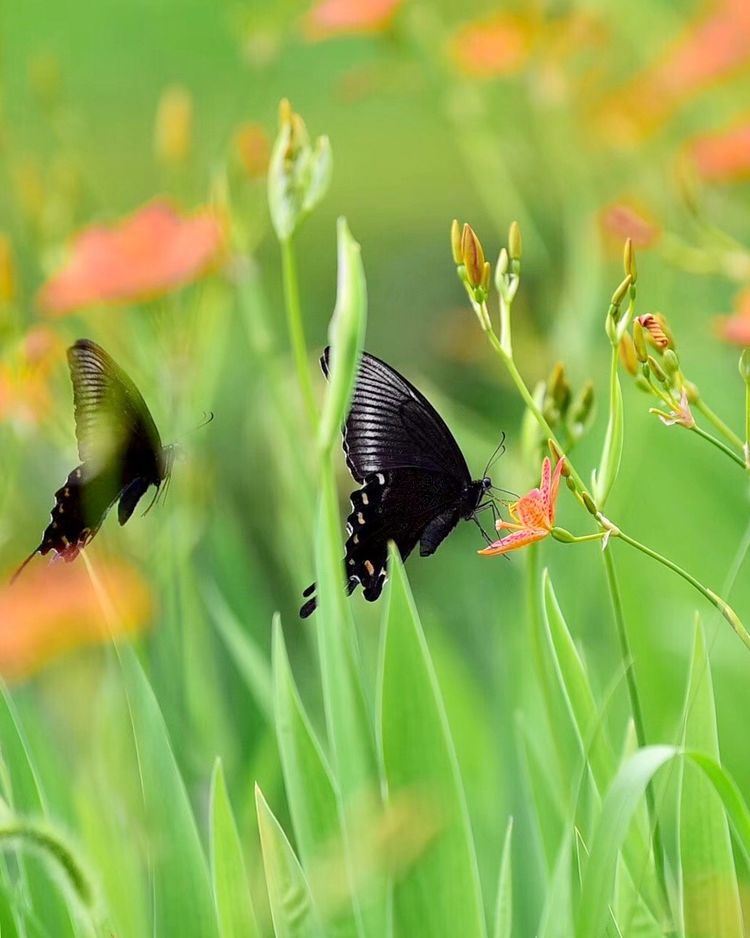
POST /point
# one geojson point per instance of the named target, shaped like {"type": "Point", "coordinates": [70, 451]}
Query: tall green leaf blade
{"type": "Point", "coordinates": [23, 792]}
{"type": "Point", "coordinates": [313, 799]}
{"type": "Point", "coordinates": [504, 903]}
{"type": "Point", "coordinates": [439, 895]}
{"type": "Point", "coordinates": [292, 909]}
{"type": "Point", "coordinates": [182, 890]}
{"type": "Point", "coordinates": [234, 904]}
{"type": "Point", "coordinates": [710, 894]}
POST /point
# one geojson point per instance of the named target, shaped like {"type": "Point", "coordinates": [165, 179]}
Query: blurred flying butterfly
{"type": "Point", "coordinates": [415, 484]}
{"type": "Point", "coordinates": [119, 447]}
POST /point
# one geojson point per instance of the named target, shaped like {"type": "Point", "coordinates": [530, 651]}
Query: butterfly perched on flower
{"type": "Point", "coordinates": [119, 447]}
{"type": "Point", "coordinates": [415, 484]}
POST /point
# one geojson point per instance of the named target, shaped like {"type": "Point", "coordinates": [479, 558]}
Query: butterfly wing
{"type": "Point", "coordinates": [113, 423]}
{"type": "Point", "coordinates": [391, 425]}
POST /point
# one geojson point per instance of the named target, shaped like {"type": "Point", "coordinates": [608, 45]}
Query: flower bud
{"type": "Point", "coordinates": [514, 241]}
{"type": "Point", "coordinates": [456, 242]}
{"type": "Point", "coordinates": [558, 456]}
{"type": "Point", "coordinates": [588, 503]}
{"type": "Point", "coordinates": [565, 537]}
{"type": "Point", "coordinates": [642, 384]}
{"type": "Point", "coordinates": [502, 262]}
{"type": "Point", "coordinates": [670, 362]}
{"type": "Point", "coordinates": [745, 365]}
{"type": "Point", "coordinates": [627, 354]}
{"type": "Point", "coordinates": [620, 293]}
{"type": "Point", "coordinates": [173, 128]}
{"type": "Point", "coordinates": [582, 408]}
{"type": "Point", "coordinates": [629, 261]}
{"type": "Point", "coordinates": [691, 391]}
{"type": "Point", "coordinates": [472, 255]}
{"type": "Point", "coordinates": [558, 388]}
{"type": "Point", "coordinates": [656, 370]}
{"type": "Point", "coordinates": [639, 343]}
{"type": "Point", "coordinates": [653, 325]}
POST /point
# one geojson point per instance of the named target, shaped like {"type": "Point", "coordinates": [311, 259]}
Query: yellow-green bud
{"type": "Point", "coordinates": [620, 293]}
{"type": "Point", "coordinates": [629, 261]}
{"type": "Point", "coordinates": [560, 534]}
{"type": "Point", "coordinates": [627, 354]}
{"type": "Point", "coordinates": [558, 388]}
{"type": "Point", "coordinates": [745, 365]}
{"type": "Point", "coordinates": [456, 242]}
{"type": "Point", "coordinates": [656, 370]}
{"type": "Point", "coordinates": [473, 256]}
{"type": "Point", "coordinates": [583, 406]}
{"type": "Point", "coordinates": [670, 361]}
{"type": "Point", "coordinates": [639, 342]}
{"type": "Point", "coordinates": [514, 241]}
{"type": "Point", "coordinates": [691, 391]}
{"type": "Point", "coordinates": [588, 503]}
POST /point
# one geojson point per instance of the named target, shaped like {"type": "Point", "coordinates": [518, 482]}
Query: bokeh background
{"type": "Point", "coordinates": [587, 123]}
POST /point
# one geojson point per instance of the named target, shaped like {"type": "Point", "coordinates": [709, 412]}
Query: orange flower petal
{"type": "Point", "coordinates": [150, 253]}
{"type": "Point", "coordinates": [53, 608]}
{"type": "Point", "coordinates": [492, 46]}
{"type": "Point", "coordinates": [620, 221]}
{"type": "Point", "coordinates": [340, 17]}
{"type": "Point", "coordinates": [723, 157]}
{"type": "Point", "coordinates": [514, 541]}
{"type": "Point", "coordinates": [531, 510]}
{"type": "Point", "coordinates": [736, 328]}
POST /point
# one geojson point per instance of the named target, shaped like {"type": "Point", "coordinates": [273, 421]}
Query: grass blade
{"type": "Point", "coordinates": [289, 896]}
{"type": "Point", "coordinates": [710, 894]}
{"type": "Point", "coordinates": [234, 904]}
{"type": "Point", "coordinates": [439, 895]}
{"type": "Point", "coordinates": [504, 904]}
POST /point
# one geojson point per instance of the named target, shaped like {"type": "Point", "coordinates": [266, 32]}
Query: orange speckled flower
{"type": "Point", "coordinates": [725, 156]}
{"type": "Point", "coordinates": [533, 514]}
{"type": "Point", "coordinates": [55, 608]}
{"type": "Point", "coordinates": [150, 253]}
{"type": "Point", "coordinates": [346, 17]}
{"type": "Point", "coordinates": [736, 328]}
{"type": "Point", "coordinates": [621, 220]}
{"type": "Point", "coordinates": [492, 46]}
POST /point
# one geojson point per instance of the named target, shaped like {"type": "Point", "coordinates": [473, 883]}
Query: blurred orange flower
{"type": "Point", "coordinates": [714, 46]}
{"type": "Point", "coordinates": [25, 394]}
{"type": "Point", "coordinates": [736, 328]}
{"type": "Point", "coordinates": [150, 253]}
{"type": "Point", "coordinates": [620, 221]}
{"type": "Point", "coordinates": [492, 46]}
{"type": "Point", "coordinates": [533, 514]}
{"type": "Point", "coordinates": [725, 156]}
{"type": "Point", "coordinates": [345, 17]}
{"type": "Point", "coordinates": [252, 146]}
{"type": "Point", "coordinates": [55, 608]}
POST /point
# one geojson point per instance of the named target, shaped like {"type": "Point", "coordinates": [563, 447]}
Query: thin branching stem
{"type": "Point", "coordinates": [714, 419]}
{"type": "Point", "coordinates": [722, 447]}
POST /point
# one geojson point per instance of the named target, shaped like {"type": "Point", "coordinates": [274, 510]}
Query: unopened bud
{"type": "Point", "coordinates": [514, 241]}
{"type": "Point", "coordinates": [670, 362]}
{"type": "Point", "coordinates": [473, 256]}
{"type": "Point", "coordinates": [173, 128]}
{"type": "Point", "coordinates": [639, 343]}
{"type": "Point", "coordinates": [456, 242]}
{"type": "Point", "coordinates": [653, 325]}
{"type": "Point", "coordinates": [629, 261]}
{"type": "Point", "coordinates": [642, 384]}
{"type": "Point", "coordinates": [486, 276]}
{"type": "Point", "coordinates": [565, 537]}
{"type": "Point", "coordinates": [691, 392]}
{"type": "Point", "coordinates": [656, 370]}
{"type": "Point", "coordinates": [502, 262]}
{"type": "Point", "coordinates": [745, 365]}
{"type": "Point", "coordinates": [582, 408]}
{"type": "Point", "coordinates": [588, 503]}
{"type": "Point", "coordinates": [620, 293]}
{"type": "Point", "coordinates": [558, 388]}
{"type": "Point", "coordinates": [627, 354]}
{"type": "Point", "coordinates": [557, 455]}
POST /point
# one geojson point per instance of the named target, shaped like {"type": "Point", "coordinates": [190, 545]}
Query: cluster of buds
{"type": "Point", "coordinates": [298, 174]}
{"type": "Point", "coordinates": [475, 273]}
{"type": "Point", "coordinates": [568, 414]}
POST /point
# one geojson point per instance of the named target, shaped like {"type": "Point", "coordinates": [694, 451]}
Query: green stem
{"type": "Point", "coordinates": [296, 330]}
{"type": "Point", "coordinates": [505, 340]}
{"type": "Point", "coordinates": [746, 447]}
{"type": "Point", "coordinates": [724, 608]}
{"type": "Point", "coordinates": [719, 445]}
{"type": "Point", "coordinates": [637, 711]}
{"type": "Point", "coordinates": [718, 423]}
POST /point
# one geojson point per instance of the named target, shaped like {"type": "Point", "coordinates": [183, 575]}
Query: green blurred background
{"type": "Point", "coordinates": [417, 141]}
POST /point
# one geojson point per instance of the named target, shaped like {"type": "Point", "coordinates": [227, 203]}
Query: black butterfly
{"type": "Point", "coordinates": [415, 482]}
{"type": "Point", "coordinates": [119, 447]}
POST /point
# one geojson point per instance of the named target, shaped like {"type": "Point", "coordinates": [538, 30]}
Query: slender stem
{"type": "Point", "coordinates": [505, 340]}
{"type": "Point", "coordinates": [296, 330]}
{"type": "Point", "coordinates": [637, 711]}
{"type": "Point", "coordinates": [719, 445]}
{"type": "Point", "coordinates": [560, 534]}
{"type": "Point", "coordinates": [746, 447]}
{"type": "Point", "coordinates": [718, 423]}
{"type": "Point", "coordinates": [724, 608]}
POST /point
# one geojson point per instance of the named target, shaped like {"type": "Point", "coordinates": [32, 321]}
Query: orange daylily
{"type": "Point", "coordinates": [533, 513]}
{"type": "Point", "coordinates": [724, 156]}
{"type": "Point", "coordinates": [54, 608]}
{"type": "Point", "coordinates": [620, 221]}
{"type": "Point", "coordinates": [492, 46]}
{"type": "Point", "coordinates": [152, 252]}
{"type": "Point", "coordinates": [736, 328]}
{"type": "Point", "coordinates": [346, 17]}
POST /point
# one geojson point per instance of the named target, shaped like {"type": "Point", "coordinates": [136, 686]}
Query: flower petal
{"type": "Point", "coordinates": [514, 541]}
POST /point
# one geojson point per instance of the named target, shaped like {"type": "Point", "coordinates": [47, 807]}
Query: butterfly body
{"type": "Point", "coordinates": [415, 484]}
{"type": "Point", "coordinates": [120, 449]}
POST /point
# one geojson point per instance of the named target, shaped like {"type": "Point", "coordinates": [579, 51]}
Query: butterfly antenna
{"type": "Point", "coordinates": [23, 566]}
{"type": "Point", "coordinates": [499, 450]}
{"type": "Point", "coordinates": [153, 501]}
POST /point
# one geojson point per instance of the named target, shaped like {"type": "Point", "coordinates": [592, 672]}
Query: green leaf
{"type": "Point", "coordinates": [346, 336]}
{"type": "Point", "coordinates": [439, 894]}
{"type": "Point", "coordinates": [23, 792]}
{"type": "Point", "coordinates": [504, 903]}
{"type": "Point", "coordinates": [310, 789]}
{"type": "Point", "coordinates": [710, 894]}
{"type": "Point", "coordinates": [557, 915]}
{"type": "Point", "coordinates": [292, 909]}
{"type": "Point", "coordinates": [609, 465]}
{"type": "Point", "coordinates": [543, 792]}
{"type": "Point", "coordinates": [182, 891]}
{"type": "Point", "coordinates": [234, 904]}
